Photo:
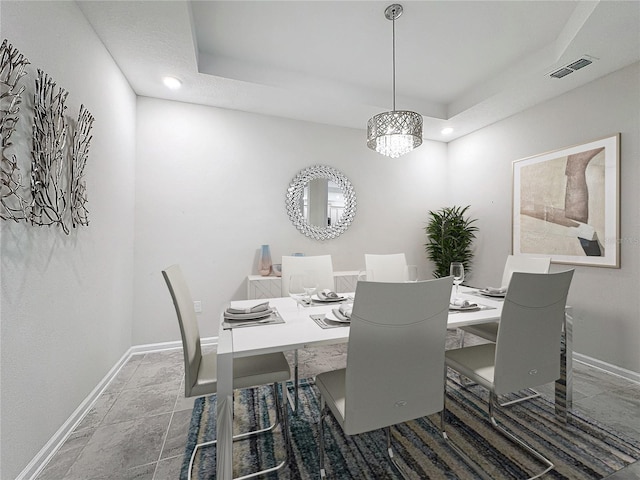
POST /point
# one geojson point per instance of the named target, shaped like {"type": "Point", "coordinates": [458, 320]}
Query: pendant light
{"type": "Point", "coordinates": [396, 132]}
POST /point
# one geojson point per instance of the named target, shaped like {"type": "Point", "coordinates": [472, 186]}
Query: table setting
{"type": "Point", "coordinates": [336, 317]}
{"type": "Point", "coordinates": [493, 293]}
{"type": "Point", "coordinates": [328, 296]}
{"type": "Point", "coordinates": [496, 292]}
{"type": "Point", "coordinates": [461, 305]}
{"type": "Point", "coordinates": [255, 315]}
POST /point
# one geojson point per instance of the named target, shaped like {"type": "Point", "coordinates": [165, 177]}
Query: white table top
{"type": "Point", "coordinates": [300, 331]}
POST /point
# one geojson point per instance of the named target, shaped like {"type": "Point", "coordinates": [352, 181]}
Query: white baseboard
{"type": "Point", "coordinates": [154, 347]}
{"type": "Point", "coordinates": [165, 346]}
{"type": "Point", "coordinates": [51, 447]}
{"type": "Point", "coordinates": [37, 464]}
{"type": "Point", "coordinates": [607, 367]}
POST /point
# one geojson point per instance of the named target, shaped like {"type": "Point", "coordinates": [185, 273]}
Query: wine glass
{"type": "Point", "coordinates": [456, 270]}
{"type": "Point", "coordinates": [310, 285]}
{"type": "Point", "coordinates": [411, 273]}
{"type": "Point", "coordinates": [365, 275]}
{"type": "Point", "coordinates": [296, 289]}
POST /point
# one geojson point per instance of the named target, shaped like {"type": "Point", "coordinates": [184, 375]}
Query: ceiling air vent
{"type": "Point", "coordinates": [572, 67]}
{"type": "Point", "coordinates": [563, 72]}
{"type": "Point", "coordinates": [578, 64]}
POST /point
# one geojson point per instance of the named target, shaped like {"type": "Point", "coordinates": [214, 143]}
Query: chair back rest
{"type": "Point", "coordinates": [386, 268]}
{"type": "Point", "coordinates": [183, 303]}
{"type": "Point", "coordinates": [521, 263]}
{"type": "Point", "coordinates": [319, 266]}
{"type": "Point", "coordinates": [395, 357]}
{"type": "Point", "coordinates": [529, 332]}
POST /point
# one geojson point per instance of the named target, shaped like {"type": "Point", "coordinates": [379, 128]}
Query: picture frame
{"type": "Point", "coordinates": [566, 204]}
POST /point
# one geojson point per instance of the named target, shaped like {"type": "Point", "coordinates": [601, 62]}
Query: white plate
{"type": "Point", "coordinates": [473, 306]}
{"type": "Point", "coordinates": [332, 317]}
{"type": "Point", "coordinates": [248, 316]}
{"type": "Point", "coordinates": [315, 298]}
{"type": "Point", "coordinates": [492, 294]}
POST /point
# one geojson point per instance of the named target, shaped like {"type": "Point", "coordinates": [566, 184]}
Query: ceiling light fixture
{"type": "Point", "coordinates": [396, 132]}
{"type": "Point", "coordinates": [446, 131]}
{"type": "Point", "coordinates": [171, 82]}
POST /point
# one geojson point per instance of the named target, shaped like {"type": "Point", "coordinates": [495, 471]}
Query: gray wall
{"type": "Point", "coordinates": [66, 300]}
{"type": "Point", "coordinates": [211, 187]}
{"type": "Point", "coordinates": [606, 301]}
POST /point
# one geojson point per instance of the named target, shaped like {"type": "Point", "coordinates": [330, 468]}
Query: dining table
{"type": "Point", "coordinates": [294, 328]}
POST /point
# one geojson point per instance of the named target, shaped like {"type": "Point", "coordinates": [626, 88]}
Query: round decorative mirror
{"type": "Point", "coordinates": [321, 202]}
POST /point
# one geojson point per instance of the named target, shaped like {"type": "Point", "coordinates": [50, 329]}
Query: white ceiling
{"type": "Point", "coordinates": [464, 64]}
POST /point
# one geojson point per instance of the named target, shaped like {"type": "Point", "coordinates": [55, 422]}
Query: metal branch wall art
{"type": "Point", "coordinates": [79, 154]}
{"type": "Point", "coordinates": [12, 68]}
{"type": "Point", "coordinates": [58, 188]}
{"type": "Point", "coordinates": [48, 154]}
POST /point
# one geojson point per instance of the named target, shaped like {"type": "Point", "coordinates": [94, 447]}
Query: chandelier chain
{"type": "Point", "coordinates": [393, 61]}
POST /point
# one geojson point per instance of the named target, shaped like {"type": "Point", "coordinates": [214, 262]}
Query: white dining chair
{"type": "Point", "coordinates": [395, 360]}
{"type": "Point", "coordinates": [514, 263]}
{"type": "Point", "coordinates": [318, 266]}
{"type": "Point", "coordinates": [386, 268]}
{"type": "Point", "coordinates": [527, 349]}
{"type": "Point", "coordinates": [489, 331]}
{"type": "Point", "coordinates": [200, 369]}
{"type": "Point", "coordinates": [523, 263]}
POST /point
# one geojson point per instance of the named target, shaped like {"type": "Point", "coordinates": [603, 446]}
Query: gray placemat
{"type": "Point", "coordinates": [324, 323]}
{"type": "Point", "coordinates": [270, 320]}
{"type": "Point", "coordinates": [479, 307]}
{"type": "Point", "coordinates": [492, 297]}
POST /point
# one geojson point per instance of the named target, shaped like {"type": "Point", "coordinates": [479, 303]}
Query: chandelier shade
{"type": "Point", "coordinates": [396, 132]}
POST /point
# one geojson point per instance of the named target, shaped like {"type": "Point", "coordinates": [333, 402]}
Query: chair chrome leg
{"type": "Point", "coordinates": [193, 455]}
{"type": "Point", "coordinates": [263, 472]}
{"type": "Point", "coordinates": [294, 401]}
{"type": "Point", "coordinates": [281, 418]}
{"type": "Point", "coordinates": [521, 399]}
{"type": "Point", "coordinates": [285, 423]}
{"type": "Point", "coordinates": [271, 427]}
{"type": "Point", "coordinates": [492, 401]}
{"type": "Point", "coordinates": [474, 466]}
{"type": "Point", "coordinates": [391, 456]}
{"type": "Point", "coordinates": [323, 412]}
{"type": "Point", "coordinates": [464, 381]}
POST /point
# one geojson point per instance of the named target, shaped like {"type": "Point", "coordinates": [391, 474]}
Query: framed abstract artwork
{"type": "Point", "coordinates": [566, 204]}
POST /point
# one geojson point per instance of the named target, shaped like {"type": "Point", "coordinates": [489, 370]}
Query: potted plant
{"type": "Point", "coordinates": [450, 237]}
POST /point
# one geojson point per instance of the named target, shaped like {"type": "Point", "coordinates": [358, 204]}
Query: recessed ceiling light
{"type": "Point", "coordinates": [171, 82]}
{"type": "Point", "coordinates": [446, 131]}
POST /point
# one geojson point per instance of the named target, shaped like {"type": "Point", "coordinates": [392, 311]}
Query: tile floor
{"type": "Point", "coordinates": [137, 428]}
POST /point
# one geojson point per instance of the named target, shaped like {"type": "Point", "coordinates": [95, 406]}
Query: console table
{"type": "Point", "coordinates": [271, 286]}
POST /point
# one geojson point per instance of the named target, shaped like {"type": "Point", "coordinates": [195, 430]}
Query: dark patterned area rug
{"type": "Point", "coordinates": [581, 450]}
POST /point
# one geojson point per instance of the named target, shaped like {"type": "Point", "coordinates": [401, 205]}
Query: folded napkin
{"type": "Point", "coordinates": [459, 302]}
{"type": "Point", "coordinates": [338, 313]}
{"type": "Point", "coordinates": [345, 310]}
{"type": "Point", "coordinates": [261, 307]}
{"type": "Point", "coordinates": [496, 290]}
{"type": "Point", "coordinates": [327, 294]}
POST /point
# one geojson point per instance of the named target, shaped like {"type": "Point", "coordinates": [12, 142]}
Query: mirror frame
{"type": "Point", "coordinates": [295, 193]}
